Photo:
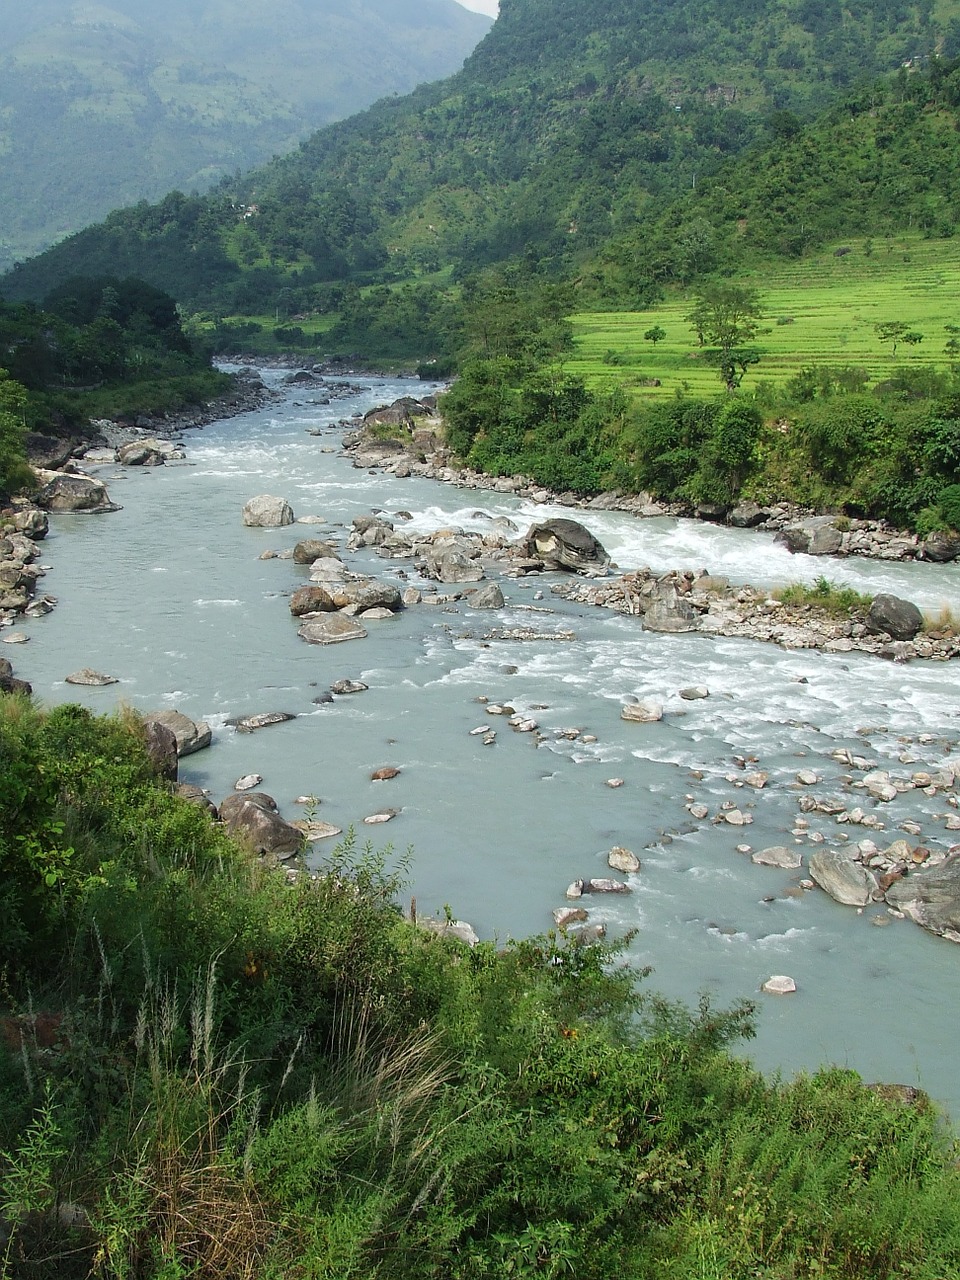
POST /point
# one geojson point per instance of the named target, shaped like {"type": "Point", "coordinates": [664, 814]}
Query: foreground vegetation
{"type": "Point", "coordinates": [209, 1071]}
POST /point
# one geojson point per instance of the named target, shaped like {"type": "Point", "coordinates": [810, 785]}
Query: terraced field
{"type": "Point", "coordinates": [821, 311]}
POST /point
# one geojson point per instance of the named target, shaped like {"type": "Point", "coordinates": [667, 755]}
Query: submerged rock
{"type": "Point", "coordinates": [86, 676]}
{"type": "Point", "coordinates": [332, 629]}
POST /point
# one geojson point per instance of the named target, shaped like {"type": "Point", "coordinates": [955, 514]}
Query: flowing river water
{"type": "Point", "coordinates": [170, 595]}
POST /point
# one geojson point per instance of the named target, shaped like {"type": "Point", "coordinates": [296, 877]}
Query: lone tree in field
{"type": "Point", "coordinates": [726, 320]}
{"type": "Point", "coordinates": [655, 335]}
{"type": "Point", "coordinates": [895, 331]}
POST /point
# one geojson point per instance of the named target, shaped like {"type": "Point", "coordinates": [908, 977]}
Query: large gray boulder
{"type": "Point", "coordinates": [565, 544]}
{"type": "Point", "coordinates": [332, 629]}
{"type": "Point", "coordinates": [267, 512]}
{"type": "Point", "coordinates": [931, 898]}
{"type": "Point", "coordinates": [65, 493]}
{"type": "Point", "coordinates": [941, 546]}
{"type": "Point", "coordinates": [899, 619]}
{"type": "Point", "coordinates": [191, 735]}
{"type": "Point", "coordinates": [368, 594]}
{"type": "Point", "coordinates": [253, 819]}
{"type": "Point", "coordinates": [747, 515]}
{"type": "Point", "coordinates": [671, 612]}
{"type": "Point", "coordinates": [846, 881]}
{"type": "Point", "coordinates": [161, 744]}
{"type": "Point", "coordinates": [488, 597]}
{"type": "Point", "coordinates": [140, 453]}
{"type": "Point", "coordinates": [451, 565]}
{"type": "Point", "coordinates": [312, 549]}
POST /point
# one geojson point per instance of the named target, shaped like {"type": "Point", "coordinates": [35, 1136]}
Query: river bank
{"type": "Point", "coordinates": [416, 448]}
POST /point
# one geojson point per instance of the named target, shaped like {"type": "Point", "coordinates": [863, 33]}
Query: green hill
{"type": "Point", "coordinates": [105, 105]}
{"type": "Point", "coordinates": [568, 121]}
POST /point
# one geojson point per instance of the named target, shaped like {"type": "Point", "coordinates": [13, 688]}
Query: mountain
{"type": "Point", "coordinates": [566, 125]}
{"type": "Point", "coordinates": [102, 105]}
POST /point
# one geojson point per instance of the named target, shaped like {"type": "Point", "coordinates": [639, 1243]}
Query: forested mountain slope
{"type": "Point", "coordinates": [566, 122]}
{"type": "Point", "coordinates": [102, 105]}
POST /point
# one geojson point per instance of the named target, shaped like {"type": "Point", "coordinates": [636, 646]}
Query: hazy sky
{"type": "Point", "coordinates": [482, 6]}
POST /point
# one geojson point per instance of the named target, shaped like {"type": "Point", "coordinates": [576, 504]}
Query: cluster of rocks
{"type": "Point", "coordinates": [683, 601]}
{"type": "Point", "coordinates": [421, 451]}
{"type": "Point", "coordinates": [23, 527]}
{"type": "Point", "coordinates": [252, 816]}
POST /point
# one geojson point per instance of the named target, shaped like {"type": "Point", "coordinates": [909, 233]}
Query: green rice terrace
{"type": "Point", "coordinates": [820, 311]}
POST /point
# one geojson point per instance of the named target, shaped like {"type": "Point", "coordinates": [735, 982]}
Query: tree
{"type": "Point", "coordinates": [655, 335]}
{"type": "Point", "coordinates": [895, 331]}
{"type": "Point", "coordinates": [15, 471]}
{"type": "Point", "coordinates": [726, 319]}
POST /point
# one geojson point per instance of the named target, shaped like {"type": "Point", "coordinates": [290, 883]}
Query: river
{"type": "Point", "coordinates": [170, 595]}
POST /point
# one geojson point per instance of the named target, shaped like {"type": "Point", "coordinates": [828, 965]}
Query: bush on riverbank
{"type": "Point", "coordinates": [209, 1071]}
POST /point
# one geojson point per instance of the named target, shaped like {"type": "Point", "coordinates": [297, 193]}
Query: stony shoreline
{"type": "Point", "coordinates": [677, 601]}
{"type": "Point", "coordinates": [422, 453]}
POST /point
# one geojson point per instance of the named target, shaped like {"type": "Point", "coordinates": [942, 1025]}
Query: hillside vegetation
{"type": "Point", "coordinates": [565, 124]}
{"type": "Point", "coordinates": [102, 106]}
{"type": "Point", "coordinates": [209, 1071]}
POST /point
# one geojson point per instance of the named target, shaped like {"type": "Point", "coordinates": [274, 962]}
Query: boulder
{"type": "Point", "coordinates": [349, 686]}
{"type": "Point", "coordinates": [694, 693]}
{"type": "Point", "coordinates": [267, 512]}
{"type": "Point", "coordinates": [780, 984]}
{"type": "Point", "coordinates": [248, 782]}
{"type": "Point", "coordinates": [825, 541]}
{"type": "Point", "coordinates": [65, 493]}
{"type": "Point", "coordinates": [941, 546]}
{"type": "Point", "coordinates": [333, 629]}
{"type": "Point", "coordinates": [647, 711]}
{"type": "Point", "coordinates": [846, 881]}
{"type": "Point", "coordinates": [250, 724]}
{"type": "Point", "coordinates": [899, 619]}
{"type": "Point", "coordinates": [32, 522]}
{"type": "Point", "coordinates": [931, 898]}
{"type": "Point", "coordinates": [161, 745]}
{"type": "Point", "coordinates": [85, 676]}
{"type": "Point", "coordinates": [458, 929]}
{"type": "Point", "coordinates": [311, 549]}
{"type": "Point", "coordinates": [568, 915]}
{"type": "Point", "coordinates": [623, 860]}
{"type": "Point", "coordinates": [191, 735]}
{"type": "Point", "coordinates": [670, 612]}
{"type": "Point", "coordinates": [312, 599]}
{"type": "Point", "coordinates": [140, 453]}
{"type": "Point", "coordinates": [193, 794]}
{"type": "Point", "coordinates": [253, 819]}
{"type": "Point", "coordinates": [368, 594]}
{"type": "Point", "coordinates": [565, 544]}
{"type": "Point", "coordinates": [448, 564]}
{"type": "Point", "coordinates": [385, 773]}
{"type": "Point", "coordinates": [488, 597]}
{"type": "Point", "coordinates": [747, 515]}
{"type": "Point", "coordinates": [778, 855]}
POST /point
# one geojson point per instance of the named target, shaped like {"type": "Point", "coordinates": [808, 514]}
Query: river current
{"type": "Point", "coordinates": [170, 595]}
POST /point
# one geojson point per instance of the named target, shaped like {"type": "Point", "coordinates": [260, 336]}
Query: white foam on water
{"type": "Point", "coordinates": [230, 604]}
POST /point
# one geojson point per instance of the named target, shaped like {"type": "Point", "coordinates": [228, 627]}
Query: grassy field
{"type": "Point", "coordinates": [821, 311]}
